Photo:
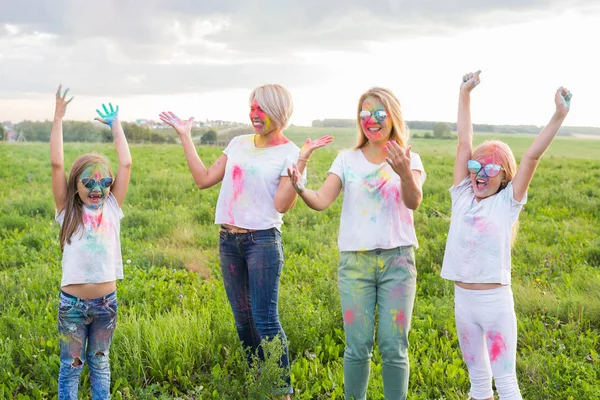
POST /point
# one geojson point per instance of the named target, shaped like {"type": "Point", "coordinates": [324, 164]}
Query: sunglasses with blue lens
{"type": "Point", "coordinates": [490, 170]}
{"type": "Point", "coordinates": [90, 183]}
{"type": "Point", "coordinates": [379, 115]}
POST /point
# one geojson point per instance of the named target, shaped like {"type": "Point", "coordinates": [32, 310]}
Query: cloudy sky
{"type": "Point", "coordinates": [202, 58]}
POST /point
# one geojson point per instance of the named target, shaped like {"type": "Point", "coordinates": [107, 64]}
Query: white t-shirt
{"type": "Point", "coordinates": [478, 247]}
{"type": "Point", "coordinates": [373, 213]}
{"type": "Point", "coordinates": [251, 179]}
{"type": "Point", "coordinates": [94, 255]}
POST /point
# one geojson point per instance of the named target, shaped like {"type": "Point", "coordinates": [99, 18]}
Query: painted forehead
{"type": "Point", "coordinates": [372, 103]}
{"type": "Point", "coordinates": [95, 171]}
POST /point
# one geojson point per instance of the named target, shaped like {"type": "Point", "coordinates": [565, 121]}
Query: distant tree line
{"type": "Point", "coordinates": [80, 131]}
{"type": "Point", "coordinates": [430, 125]}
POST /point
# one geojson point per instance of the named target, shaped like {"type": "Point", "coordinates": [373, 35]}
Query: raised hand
{"type": "Point", "coordinates": [61, 103]}
{"type": "Point", "coordinates": [562, 98]}
{"type": "Point", "coordinates": [469, 81]}
{"type": "Point", "coordinates": [296, 178]}
{"type": "Point", "coordinates": [181, 126]}
{"type": "Point", "coordinates": [399, 159]}
{"type": "Point", "coordinates": [311, 145]}
{"type": "Point", "coordinates": [110, 116]}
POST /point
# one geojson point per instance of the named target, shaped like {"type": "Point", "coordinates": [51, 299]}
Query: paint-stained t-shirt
{"type": "Point", "coordinates": [478, 248]}
{"type": "Point", "coordinates": [94, 254]}
{"type": "Point", "coordinates": [373, 213]}
{"type": "Point", "coordinates": [252, 175]}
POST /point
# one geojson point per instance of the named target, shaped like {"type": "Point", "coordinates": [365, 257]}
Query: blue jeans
{"type": "Point", "coordinates": [386, 279]}
{"type": "Point", "coordinates": [86, 328]}
{"type": "Point", "coordinates": [251, 264]}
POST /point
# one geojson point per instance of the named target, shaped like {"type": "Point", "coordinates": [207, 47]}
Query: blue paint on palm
{"type": "Point", "coordinates": [109, 115]}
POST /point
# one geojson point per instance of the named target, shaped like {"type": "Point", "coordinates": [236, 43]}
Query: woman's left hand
{"type": "Point", "coordinates": [110, 116]}
{"type": "Point", "coordinates": [311, 145]}
{"type": "Point", "coordinates": [399, 159]}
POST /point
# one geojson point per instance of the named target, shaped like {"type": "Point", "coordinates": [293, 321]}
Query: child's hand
{"type": "Point", "coordinates": [297, 180]}
{"type": "Point", "coordinates": [469, 81]}
{"type": "Point", "coordinates": [61, 103]}
{"type": "Point", "coordinates": [562, 98]}
{"type": "Point", "coordinates": [109, 117]}
{"type": "Point", "coordinates": [311, 145]}
{"type": "Point", "coordinates": [399, 159]}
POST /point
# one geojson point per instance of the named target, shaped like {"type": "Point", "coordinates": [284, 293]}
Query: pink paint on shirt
{"type": "Point", "coordinates": [238, 185]}
{"type": "Point", "coordinates": [497, 345]}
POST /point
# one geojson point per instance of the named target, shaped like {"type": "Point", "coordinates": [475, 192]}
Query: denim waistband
{"type": "Point", "coordinates": [111, 296]}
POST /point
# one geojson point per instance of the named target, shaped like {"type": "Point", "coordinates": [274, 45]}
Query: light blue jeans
{"type": "Point", "coordinates": [382, 279]}
{"type": "Point", "coordinates": [86, 328]}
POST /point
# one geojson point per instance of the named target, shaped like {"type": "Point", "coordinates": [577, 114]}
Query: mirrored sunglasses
{"type": "Point", "coordinates": [90, 183]}
{"type": "Point", "coordinates": [379, 115]}
{"type": "Point", "coordinates": [490, 170]}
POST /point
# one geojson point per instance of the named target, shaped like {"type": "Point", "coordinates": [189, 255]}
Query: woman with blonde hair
{"type": "Point", "coordinates": [253, 197]}
{"type": "Point", "coordinates": [381, 179]}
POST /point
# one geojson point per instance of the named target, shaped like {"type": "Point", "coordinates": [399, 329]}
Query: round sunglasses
{"type": "Point", "coordinates": [490, 170]}
{"type": "Point", "coordinates": [90, 183]}
{"type": "Point", "coordinates": [379, 115]}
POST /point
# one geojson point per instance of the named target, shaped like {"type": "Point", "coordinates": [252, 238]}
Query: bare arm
{"type": "Point", "coordinates": [464, 127]}
{"type": "Point", "coordinates": [320, 199]}
{"type": "Point", "coordinates": [286, 195]}
{"type": "Point", "coordinates": [57, 161]}
{"type": "Point", "coordinates": [532, 156]}
{"type": "Point", "coordinates": [204, 177]}
{"type": "Point", "coordinates": [111, 118]}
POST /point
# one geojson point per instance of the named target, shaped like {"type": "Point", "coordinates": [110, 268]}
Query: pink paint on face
{"type": "Point", "coordinates": [497, 345]}
{"type": "Point", "coordinates": [373, 130]}
{"type": "Point", "coordinates": [483, 185]}
{"type": "Point", "coordinates": [261, 123]}
{"type": "Point", "coordinates": [349, 315]}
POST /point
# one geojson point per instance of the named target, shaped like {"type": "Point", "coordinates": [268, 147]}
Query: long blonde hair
{"type": "Point", "coordinates": [499, 153]}
{"type": "Point", "coordinates": [392, 106]}
{"type": "Point", "coordinates": [73, 219]}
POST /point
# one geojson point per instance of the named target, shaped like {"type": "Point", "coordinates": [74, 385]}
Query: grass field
{"type": "Point", "coordinates": [176, 336]}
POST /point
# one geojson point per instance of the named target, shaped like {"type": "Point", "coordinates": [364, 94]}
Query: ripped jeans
{"type": "Point", "coordinates": [86, 328]}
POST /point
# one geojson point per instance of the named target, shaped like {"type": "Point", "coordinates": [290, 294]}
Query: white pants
{"type": "Point", "coordinates": [486, 325]}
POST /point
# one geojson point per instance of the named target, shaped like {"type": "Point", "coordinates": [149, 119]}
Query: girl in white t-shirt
{"type": "Point", "coordinates": [487, 197]}
{"type": "Point", "coordinates": [381, 179]}
{"type": "Point", "coordinates": [253, 197]}
{"type": "Point", "coordinates": [88, 209]}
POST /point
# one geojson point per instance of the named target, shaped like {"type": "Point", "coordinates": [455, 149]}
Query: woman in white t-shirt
{"type": "Point", "coordinates": [381, 179]}
{"type": "Point", "coordinates": [253, 197]}
{"type": "Point", "coordinates": [88, 209]}
{"type": "Point", "coordinates": [487, 197]}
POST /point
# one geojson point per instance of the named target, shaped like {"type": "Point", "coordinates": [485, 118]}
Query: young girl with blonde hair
{"type": "Point", "coordinates": [487, 196]}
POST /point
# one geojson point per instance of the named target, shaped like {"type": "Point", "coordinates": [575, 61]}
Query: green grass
{"type": "Point", "coordinates": [176, 336]}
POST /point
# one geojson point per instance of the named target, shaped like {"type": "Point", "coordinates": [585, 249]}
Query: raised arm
{"type": "Point", "coordinates": [204, 177]}
{"type": "Point", "coordinates": [464, 127]}
{"type": "Point", "coordinates": [57, 160]}
{"type": "Point", "coordinates": [320, 199]}
{"type": "Point", "coordinates": [111, 118]}
{"type": "Point", "coordinates": [532, 156]}
{"type": "Point", "coordinates": [286, 196]}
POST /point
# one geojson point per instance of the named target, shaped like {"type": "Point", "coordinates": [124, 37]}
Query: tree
{"type": "Point", "coordinates": [209, 137]}
{"type": "Point", "coordinates": [1, 132]}
{"type": "Point", "coordinates": [441, 129]}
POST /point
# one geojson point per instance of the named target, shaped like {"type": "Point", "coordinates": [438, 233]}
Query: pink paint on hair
{"type": "Point", "coordinates": [497, 345]}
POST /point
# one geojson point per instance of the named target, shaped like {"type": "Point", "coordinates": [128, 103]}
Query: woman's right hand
{"type": "Point", "coordinates": [469, 81]}
{"type": "Point", "coordinates": [296, 178]}
{"type": "Point", "coordinates": [61, 103]}
{"type": "Point", "coordinates": [182, 127]}
{"type": "Point", "coordinates": [311, 145]}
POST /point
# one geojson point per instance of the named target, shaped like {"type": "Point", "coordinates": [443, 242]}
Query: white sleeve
{"type": "Point", "coordinates": [417, 165]}
{"type": "Point", "coordinates": [338, 168]}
